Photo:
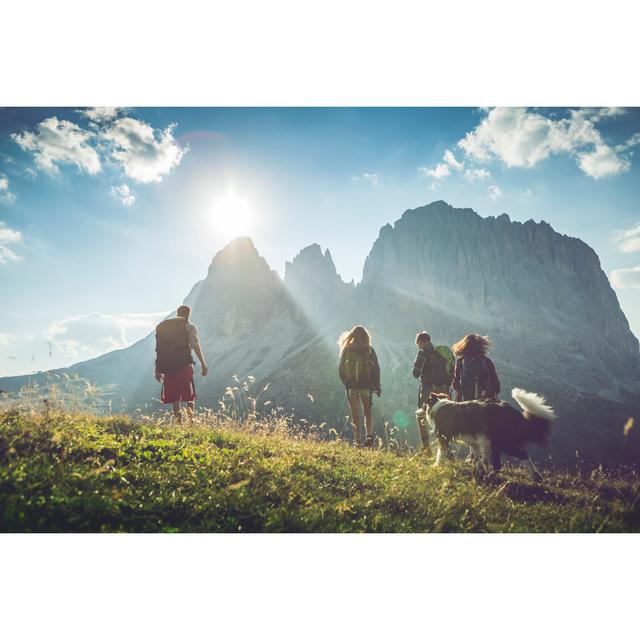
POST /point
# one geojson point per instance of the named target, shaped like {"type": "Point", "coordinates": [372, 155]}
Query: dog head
{"type": "Point", "coordinates": [434, 398]}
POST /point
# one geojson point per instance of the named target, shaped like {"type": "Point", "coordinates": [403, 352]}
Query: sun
{"type": "Point", "coordinates": [232, 215]}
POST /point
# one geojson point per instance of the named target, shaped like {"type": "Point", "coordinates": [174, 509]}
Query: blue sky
{"type": "Point", "coordinates": [109, 216]}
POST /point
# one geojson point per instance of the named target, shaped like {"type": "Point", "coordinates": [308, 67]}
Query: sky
{"type": "Point", "coordinates": [108, 216]}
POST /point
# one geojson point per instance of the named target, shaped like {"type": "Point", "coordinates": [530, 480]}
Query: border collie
{"type": "Point", "coordinates": [491, 427]}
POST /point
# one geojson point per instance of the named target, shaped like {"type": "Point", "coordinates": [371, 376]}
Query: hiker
{"type": "Point", "coordinates": [434, 367]}
{"type": "Point", "coordinates": [360, 373]}
{"type": "Point", "coordinates": [474, 375]}
{"type": "Point", "coordinates": [175, 338]}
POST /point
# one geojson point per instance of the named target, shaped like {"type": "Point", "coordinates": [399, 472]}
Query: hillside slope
{"type": "Point", "coordinates": [82, 473]}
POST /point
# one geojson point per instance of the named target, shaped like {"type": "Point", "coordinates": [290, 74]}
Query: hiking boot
{"type": "Point", "coordinates": [369, 442]}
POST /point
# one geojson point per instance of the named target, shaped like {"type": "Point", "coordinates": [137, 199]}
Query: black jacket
{"type": "Point", "coordinates": [422, 364]}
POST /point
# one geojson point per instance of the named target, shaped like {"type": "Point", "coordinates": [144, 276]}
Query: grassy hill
{"type": "Point", "coordinates": [78, 472]}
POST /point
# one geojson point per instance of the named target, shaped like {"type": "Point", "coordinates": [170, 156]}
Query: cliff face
{"type": "Point", "coordinates": [542, 297]}
{"type": "Point", "coordinates": [526, 285]}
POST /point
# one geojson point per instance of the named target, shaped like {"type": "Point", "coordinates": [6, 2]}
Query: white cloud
{"type": "Point", "coordinates": [450, 163]}
{"type": "Point", "coordinates": [628, 241]}
{"type": "Point", "coordinates": [450, 160]}
{"type": "Point", "coordinates": [603, 162]}
{"type": "Point", "coordinates": [471, 175]}
{"type": "Point", "coordinates": [494, 192]}
{"type": "Point", "coordinates": [626, 278]}
{"type": "Point", "coordinates": [56, 142]}
{"type": "Point", "coordinates": [92, 334]}
{"type": "Point", "coordinates": [123, 193]}
{"type": "Point", "coordinates": [144, 156]}
{"type": "Point", "coordinates": [100, 115]}
{"type": "Point", "coordinates": [6, 195]}
{"type": "Point", "coordinates": [8, 237]}
{"type": "Point", "coordinates": [373, 178]}
{"type": "Point", "coordinates": [439, 172]}
{"type": "Point", "coordinates": [519, 137]}
{"type": "Point", "coordinates": [5, 339]}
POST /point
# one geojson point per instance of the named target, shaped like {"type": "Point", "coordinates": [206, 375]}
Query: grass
{"type": "Point", "coordinates": [62, 472]}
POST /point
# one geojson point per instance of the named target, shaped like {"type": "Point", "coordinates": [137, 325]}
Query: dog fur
{"type": "Point", "coordinates": [492, 427]}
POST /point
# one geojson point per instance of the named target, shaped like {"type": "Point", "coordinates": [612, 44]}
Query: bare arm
{"type": "Point", "coordinates": [194, 343]}
{"type": "Point", "coordinates": [198, 351]}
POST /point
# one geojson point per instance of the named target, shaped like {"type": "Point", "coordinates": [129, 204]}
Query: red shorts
{"type": "Point", "coordinates": [178, 387]}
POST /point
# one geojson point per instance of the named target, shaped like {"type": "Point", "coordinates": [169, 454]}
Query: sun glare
{"type": "Point", "coordinates": [232, 216]}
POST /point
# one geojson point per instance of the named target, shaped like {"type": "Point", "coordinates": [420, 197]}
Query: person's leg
{"type": "Point", "coordinates": [176, 411]}
{"type": "Point", "coordinates": [368, 414]}
{"type": "Point", "coordinates": [354, 406]}
{"type": "Point", "coordinates": [190, 409]}
{"type": "Point", "coordinates": [421, 419]}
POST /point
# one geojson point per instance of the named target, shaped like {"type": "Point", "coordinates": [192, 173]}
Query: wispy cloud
{"type": "Point", "coordinates": [375, 179]}
{"type": "Point", "coordinates": [55, 142]}
{"type": "Point", "coordinates": [472, 175]}
{"type": "Point", "coordinates": [628, 240]}
{"type": "Point", "coordinates": [91, 334]}
{"type": "Point", "coordinates": [123, 193]}
{"type": "Point", "coordinates": [626, 278]}
{"type": "Point", "coordinates": [450, 165]}
{"type": "Point", "coordinates": [495, 192]}
{"type": "Point", "coordinates": [6, 196]}
{"type": "Point", "coordinates": [520, 137]}
{"type": "Point", "coordinates": [8, 238]}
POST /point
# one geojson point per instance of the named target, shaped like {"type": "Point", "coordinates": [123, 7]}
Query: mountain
{"type": "Point", "coordinates": [542, 297]}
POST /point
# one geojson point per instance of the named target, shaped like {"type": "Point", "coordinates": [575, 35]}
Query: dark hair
{"type": "Point", "coordinates": [423, 336]}
{"type": "Point", "coordinates": [184, 311]}
{"type": "Point", "coordinates": [471, 345]}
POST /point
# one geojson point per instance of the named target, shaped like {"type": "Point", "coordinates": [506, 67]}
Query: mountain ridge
{"type": "Point", "coordinates": [555, 321]}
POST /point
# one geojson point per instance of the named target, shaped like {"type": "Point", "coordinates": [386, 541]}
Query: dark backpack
{"type": "Point", "coordinates": [475, 380]}
{"type": "Point", "coordinates": [172, 346]}
{"type": "Point", "coordinates": [357, 368]}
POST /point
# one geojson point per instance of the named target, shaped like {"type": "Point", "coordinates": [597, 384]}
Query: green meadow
{"type": "Point", "coordinates": [66, 471]}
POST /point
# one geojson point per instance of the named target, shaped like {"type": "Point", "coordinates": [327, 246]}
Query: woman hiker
{"type": "Point", "coordinates": [360, 373]}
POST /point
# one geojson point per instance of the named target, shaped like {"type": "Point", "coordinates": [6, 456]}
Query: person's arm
{"type": "Point", "coordinates": [418, 365]}
{"type": "Point", "coordinates": [194, 343]}
{"type": "Point", "coordinates": [376, 372]}
{"type": "Point", "coordinates": [157, 373]}
{"type": "Point", "coordinates": [341, 371]}
{"type": "Point", "coordinates": [455, 383]}
{"type": "Point", "coordinates": [495, 381]}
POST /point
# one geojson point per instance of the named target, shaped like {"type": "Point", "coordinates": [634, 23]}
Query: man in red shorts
{"type": "Point", "coordinates": [175, 338]}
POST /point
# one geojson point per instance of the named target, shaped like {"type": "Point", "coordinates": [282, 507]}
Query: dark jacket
{"type": "Point", "coordinates": [494, 381]}
{"type": "Point", "coordinates": [374, 369]}
{"type": "Point", "coordinates": [422, 364]}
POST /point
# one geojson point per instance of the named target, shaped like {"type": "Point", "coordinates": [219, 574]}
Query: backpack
{"type": "Point", "coordinates": [357, 368]}
{"type": "Point", "coordinates": [475, 378]}
{"type": "Point", "coordinates": [172, 346]}
{"type": "Point", "coordinates": [445, 366]}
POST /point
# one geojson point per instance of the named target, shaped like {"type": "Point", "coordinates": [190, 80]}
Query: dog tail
{"type": "Point", "coordinates": [537, 413]}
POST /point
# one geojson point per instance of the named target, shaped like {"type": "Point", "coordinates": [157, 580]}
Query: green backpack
{"type": "Point", "coordinates": [357, 368]}
{"type": "Point", "coordinates": [443, 363]}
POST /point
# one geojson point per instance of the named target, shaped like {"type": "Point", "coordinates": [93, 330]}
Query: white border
{"type": "Point", "coordinates": [330, 53]}
{"type": "Point", "coordinates": [335, 52]}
